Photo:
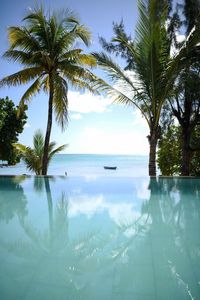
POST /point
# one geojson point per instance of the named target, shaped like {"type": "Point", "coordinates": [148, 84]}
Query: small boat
{"type": "Point", "coordinates": [110, 168]}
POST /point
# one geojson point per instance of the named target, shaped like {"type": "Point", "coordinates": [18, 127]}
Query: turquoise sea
{"type": "Point", "coordinates": [89, 165]}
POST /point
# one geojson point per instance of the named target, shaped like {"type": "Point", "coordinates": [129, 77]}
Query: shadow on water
{"type": "Point", "coordinates": [156, 256]}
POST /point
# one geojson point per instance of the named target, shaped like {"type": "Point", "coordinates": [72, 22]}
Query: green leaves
{"type": "Point", "coordinates": [11, 126]}
{"type": "Point", "coordinates": [60, 100]}
{"type": "Point", "coordinates": [45, 47]}
{"type": "Point", "coordinates": [21, 77]}
{"type": "Point", "coordinates": [153, 71]}
{"type": "Point", "coordinates": [33, 156]}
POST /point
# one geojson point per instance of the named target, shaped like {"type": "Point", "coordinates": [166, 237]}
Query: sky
{"type": "Point", "coordinates": [96, 125]}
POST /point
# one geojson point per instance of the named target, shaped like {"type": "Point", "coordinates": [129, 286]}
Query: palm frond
{"type": "Point", "coordinates": [18, 56]}
{"type": "Point", "coordinates": [71, 55]}
{"type": "Point", "coordinates": [20, 37]}
{"type": "Point", "coordinates": [21, 77]}
{"type": "Point", "coordinates": [55, 151]}
{"type": "Point", "coordinates": [132, 88]}
{"type": "Point", "coordinates": [38, 142]}
{"type": "Point", "coordinates": [87, 60]}
{"type": "Point", "coordinates": [119, 97]}
{"type": "Point", "coordinates": [33, 156]}
{"type": "Point", "coordinates": [83, 33]}
{"type": "Point", "coordinates": [30, 157]}
{"type": "Point", "coordinates": [114, 72]}
{"type": "Point", "coordinates": [76, 74]}
{"type": "Point", "coordinates": [60, 100]}
{"type": "Point", "coordinates": [30, 92]}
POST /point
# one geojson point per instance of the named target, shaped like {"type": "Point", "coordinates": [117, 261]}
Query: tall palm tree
{"type": "Point", "coordinates": [33, 156]}
{"type": "Point", "coordinates": [151, 71]}
{"type": "Point", "coordinates": [46, 48]}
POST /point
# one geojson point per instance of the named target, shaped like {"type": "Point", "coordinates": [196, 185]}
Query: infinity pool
{"type": "Point", "coordinates": [99, 238]}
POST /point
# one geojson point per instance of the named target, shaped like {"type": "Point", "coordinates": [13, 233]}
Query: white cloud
{"type": "Point", "coordinates": [96, 140]}
{"type": "Point", "coordinates": [76, 116]}
{"type": "Point", "coordinates": [87, 103]}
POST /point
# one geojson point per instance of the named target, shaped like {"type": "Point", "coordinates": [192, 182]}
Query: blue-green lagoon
{"type": "Point", "coordinates": [99, 238]}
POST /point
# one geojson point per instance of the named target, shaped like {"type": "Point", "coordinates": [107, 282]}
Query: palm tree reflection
{"type": "Point", "coordinates": [157, 256]}
{"type": "Point", "coordinates": [166, 244]}
{"type": "Point", "coordinates": [12, 199]}
{"type": "Point", "coordinates": [50, 258]}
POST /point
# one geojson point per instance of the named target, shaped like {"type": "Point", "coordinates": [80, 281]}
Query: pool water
{"type": "Point", "coordinates": [106, 238]}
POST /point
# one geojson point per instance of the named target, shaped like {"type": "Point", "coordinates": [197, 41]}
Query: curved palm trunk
{"type": "Point", "coordinates": [48, 130]}
{"type": "Point", "coordinates": [152, 154]}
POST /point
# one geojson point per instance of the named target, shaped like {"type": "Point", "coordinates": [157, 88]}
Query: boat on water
{"type": "Point", "coordinates": [110, 168]}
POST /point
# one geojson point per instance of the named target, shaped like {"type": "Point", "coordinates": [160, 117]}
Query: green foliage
{"type": "Point", "coordinates": [169, 152]}
{"type": "Point", "coordinates": [148, 57]}
{"type": "Point", "coordinates": [33, 156]}
{"type": "Point", "coordinates": [45, 47]}
{"type": "Point", "coordinates": [11, 125]}
{"type": "Point", "coordinates": [152, 71]}
{"type": "Point", "coordinates": [185, 100]}
{"type": "Point", "coordinates": [195, 146]}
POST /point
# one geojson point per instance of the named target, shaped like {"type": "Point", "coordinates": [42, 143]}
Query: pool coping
{"type": "Point", "coordinates": [67, 176]}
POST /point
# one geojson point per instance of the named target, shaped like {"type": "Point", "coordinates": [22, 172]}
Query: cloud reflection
{"type": "Point", "coordinates": [90, 205]}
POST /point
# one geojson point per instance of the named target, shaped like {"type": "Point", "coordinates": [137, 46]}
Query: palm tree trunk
{"type": "Point", "coordinates": [152, 154]}
{"type": "Point", "coordinates": [186, 153]}
{"type": "Point", "coordinates": [48, 130]}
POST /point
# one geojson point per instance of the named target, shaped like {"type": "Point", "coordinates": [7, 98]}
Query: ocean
{"type": "Point", "coordinates": [89, 165]}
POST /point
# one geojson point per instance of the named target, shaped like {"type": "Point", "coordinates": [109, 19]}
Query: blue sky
{"type": "Point", "coordinates": [95, 125]}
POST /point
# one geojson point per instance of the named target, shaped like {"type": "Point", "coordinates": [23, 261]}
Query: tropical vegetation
{"type": "Point", "coordinates": [170, 152]}
{"type": "Point", "coordinates": [11, 125]}
{"type": "Point", "coordinates": [33, 157]}
{"type": "Point", "coordinates": [151, 69]}
{"type": "Point", "coordinates": [46, 48]}
{"type": "Point", "coordinates": [158, 74]}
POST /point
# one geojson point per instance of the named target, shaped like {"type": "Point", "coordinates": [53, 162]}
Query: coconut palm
{"type": "Point", "coordinates": [33, 156]}
{"type": "Point", "coordinates": [46, 48]}
{"type": "Point", "coordinates": [151, 71]}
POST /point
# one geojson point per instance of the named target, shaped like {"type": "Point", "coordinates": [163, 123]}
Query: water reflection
{"type": "Point", "coordinates": [12, 199]}
{"type": "Point", "coordinates": [155, 254]}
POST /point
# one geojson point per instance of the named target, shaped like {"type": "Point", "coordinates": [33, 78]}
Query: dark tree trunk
{"type": "Point", "coordinates": [186, 152]}
{"type": "Point", "coordinates": [50, 208]}
{"type": "Point", "coordinates": [48, 130]}
{"type": "Point", "coordinates": [152, 154]}
{"type": "Point", "coordinates": [186, 131]}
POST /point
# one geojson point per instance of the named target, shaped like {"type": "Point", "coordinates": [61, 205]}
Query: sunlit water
{"type": "Point", "coordinates": [104, 238]}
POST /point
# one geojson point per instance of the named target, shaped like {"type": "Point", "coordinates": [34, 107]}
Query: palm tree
{"type": "Point", "coordinates": [33, 156]}
{"type": "Point", "coordinates": [46, 49]}
{"type": "Point", "coordinates": [151, 71]}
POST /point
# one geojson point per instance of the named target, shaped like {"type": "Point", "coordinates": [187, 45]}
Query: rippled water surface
{"type": "Point", "coordinates": [99, 238]}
